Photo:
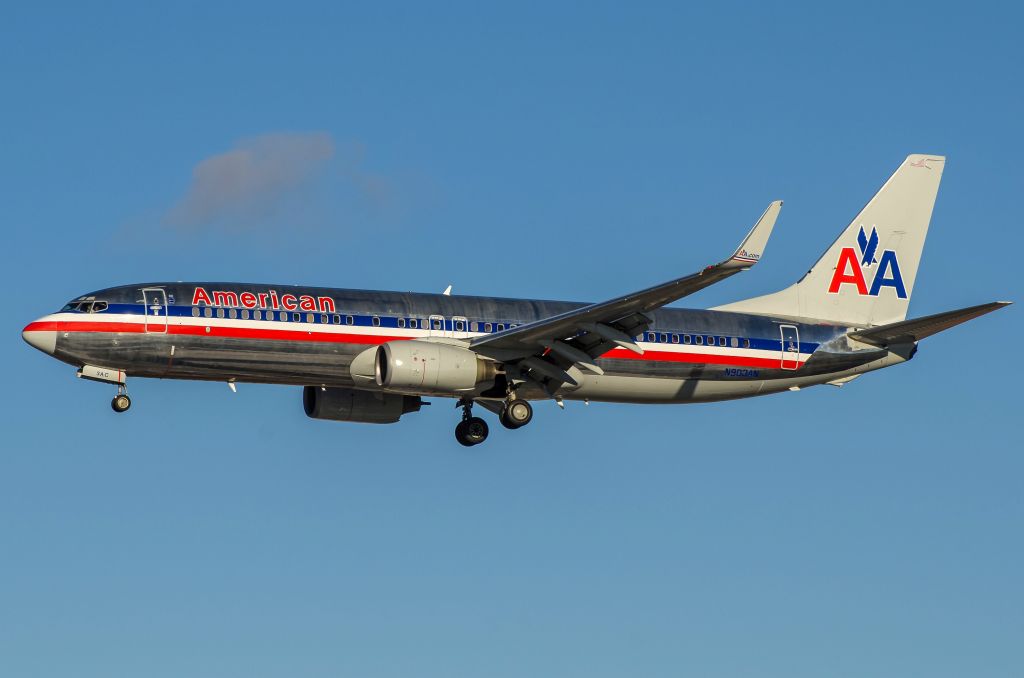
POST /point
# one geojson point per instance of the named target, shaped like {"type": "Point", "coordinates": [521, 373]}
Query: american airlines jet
{"type": "Point", "coordinates": [370, 356]}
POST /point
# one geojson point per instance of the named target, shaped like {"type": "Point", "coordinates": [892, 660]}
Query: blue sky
{"type": "Point", "coordinates": [540, 150]}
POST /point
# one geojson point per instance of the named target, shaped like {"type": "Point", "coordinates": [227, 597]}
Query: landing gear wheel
{"type": "Point", "coordinates": [517, 413]}
{"type": "Point", "coordinates": [121, 402]}
{"type": "Point", "coordinates": [472, 431]}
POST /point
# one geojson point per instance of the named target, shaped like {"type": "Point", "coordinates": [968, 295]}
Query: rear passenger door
{"type": "Point", "coordinates": [790, 347]}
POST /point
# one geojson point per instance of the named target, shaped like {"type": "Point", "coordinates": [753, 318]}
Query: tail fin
{"type": "Point", "coordinates": [866, 277]}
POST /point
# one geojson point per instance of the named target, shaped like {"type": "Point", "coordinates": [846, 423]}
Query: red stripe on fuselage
{"type": "Point", "coordinates": [370, 339]}
{"type": "Point", "coordinates": [213, 331]}
{"type": "Point", "coordinates": [707, 358]}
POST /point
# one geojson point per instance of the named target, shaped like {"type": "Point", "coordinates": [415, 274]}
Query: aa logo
{"type": "Point", "coordinates": [851, 268]}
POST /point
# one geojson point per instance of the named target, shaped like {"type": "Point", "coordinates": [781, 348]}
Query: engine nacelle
{"type": "Point", "coordinates": [428, 367]}
{"type": "Point", "coordinates": [349, 404]}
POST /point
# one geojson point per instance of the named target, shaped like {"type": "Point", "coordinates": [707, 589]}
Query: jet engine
{"type": "Point", "coordinates": [428, 367]}
{"type": "Point", "coordinates": [349, 404]}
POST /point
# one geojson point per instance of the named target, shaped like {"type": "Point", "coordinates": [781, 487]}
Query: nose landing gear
{"type": "Point", "coordinates": [107, 375]}
{"type": "Point", "coordinates": [121, 401]}
{"type": "Point", "coordinates": [471, 430]}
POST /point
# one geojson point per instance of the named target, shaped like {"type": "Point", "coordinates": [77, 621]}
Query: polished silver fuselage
{"type": "Point", "coordinates": [156, 330]}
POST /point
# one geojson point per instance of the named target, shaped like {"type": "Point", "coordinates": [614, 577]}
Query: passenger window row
{"type": "Point", "coordinates": [459, 325]}
{"type": "Point", "coordinates": [695, 339]}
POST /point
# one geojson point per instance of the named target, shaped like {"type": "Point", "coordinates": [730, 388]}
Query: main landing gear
{"type": "Point", "coordinates": [516, 414]}
{"type": "Point", "coordinates": [471, 430]}
{"type": "Point", "coordinates": [121, 401]}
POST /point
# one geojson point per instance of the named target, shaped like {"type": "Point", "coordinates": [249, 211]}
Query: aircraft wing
{"type": "Point", "coordinates": [548, 347]}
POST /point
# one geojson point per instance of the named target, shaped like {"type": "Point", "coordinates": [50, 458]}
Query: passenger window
{"type": "Point", "coordinates": [721, 341]}
{"type": "Point", "coordinates": [501, 327]}
{"type": "Point", "coordinates": [436, 324]}
{"type": "Point", "coordinates": [686, 338]}
{"type": "Point", "coordinates": [460, 326]}
{"type": "Point", "coordinates": [746, 343]}
{"type": "Point", "coordinates": [283, 316]}
{"type": "Point", "coordinates": [232, 313]}
{"type": "Point", "coordinates": [195, 311]}
{"type": "Point", "coordinates": [220, 312]}
{"type": "Point", "coordinates": [651, 336]}
{"type": "Point", "coordinates": [401, 322]}
{"type": "Point", "coordinates": [336, 319]}
{"type": "Point", "coordinates": [699, 340]}
{"type": "Point", "coordinates": [488, 327]}
{"type": "Point", "coordinates": [734, 342]}
{"type": "Point", "coordinates": [474, 327]}
{"type": "Point", "coordinates": [257, 315]}
{"type": "Point", "coordinates": [245, 314]}
{"type": "Point", "coordinates": [349, 320]}
{"type": "Point", "coordinates": [297, 317]}
{"type": "Point", "coordinates": [376, 321]}
{"type": "Point", "coordinates": [412, 323]}
{"type": "Point", "coordinates": [310, 318]}
{"type": "Point", "coordinates": [711, 341]}
{"type": "Point", "coordinates": [207, 312]}
{"type": "Point", "coordinates": [664, 338]}
{"type": "Point", "coordinates": [675, 338]}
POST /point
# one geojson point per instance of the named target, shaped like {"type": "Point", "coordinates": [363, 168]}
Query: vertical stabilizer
{"type": "Point", "coordinates": [866, 277]}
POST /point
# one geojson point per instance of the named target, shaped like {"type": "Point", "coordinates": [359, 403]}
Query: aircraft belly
{"type": "Point", "coordinates": [213, 358]}
{"type": "Point", "coordinates": [643, 389]}
{"type": "Point", "coordinates": [706, 383]}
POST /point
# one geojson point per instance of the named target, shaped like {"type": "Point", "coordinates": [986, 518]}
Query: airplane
{"type": "Point", "coordinates": [373, 356]}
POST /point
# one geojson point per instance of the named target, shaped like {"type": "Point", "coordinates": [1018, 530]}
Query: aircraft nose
{"type": "Point", "coordinates": [44, 340]}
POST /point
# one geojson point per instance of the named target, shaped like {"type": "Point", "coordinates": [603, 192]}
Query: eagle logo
{"type": "Point", "coordinates": [868, 246]}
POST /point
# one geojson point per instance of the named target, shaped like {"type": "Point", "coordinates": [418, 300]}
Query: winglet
{"type": "Point", "coordinates": [750, 250]}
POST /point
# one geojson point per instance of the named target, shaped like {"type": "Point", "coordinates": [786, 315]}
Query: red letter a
{"type": "Point", "coordinates": [847, 260]}
{"type": "Point", "coordinates": [200, 295]}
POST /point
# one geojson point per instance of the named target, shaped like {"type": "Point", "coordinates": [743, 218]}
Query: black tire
{"type": "Point", "coordinates": [517, 413]}
{"type": "Point", "coordinates": [506, 422]}
{"type": "Point", "coordinates": [121, 403]}
{"type": "Point", "coordinates": [460, 434]}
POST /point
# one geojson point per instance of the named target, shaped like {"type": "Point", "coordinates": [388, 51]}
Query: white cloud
{"type": "Point", "coordinates": [252, 182]}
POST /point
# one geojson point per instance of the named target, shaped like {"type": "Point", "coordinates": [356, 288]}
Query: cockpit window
{"type": "Point", "coordinates": [88, 306]}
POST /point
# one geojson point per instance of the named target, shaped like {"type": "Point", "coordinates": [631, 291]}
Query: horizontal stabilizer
{"type": "Point", "coordinates": [908, 331]}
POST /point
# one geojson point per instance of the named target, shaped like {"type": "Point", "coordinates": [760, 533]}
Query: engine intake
{"type": "Point", "coordinates": [349, 404]}
{"type": "Point", "coordinates": [428, 367]}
